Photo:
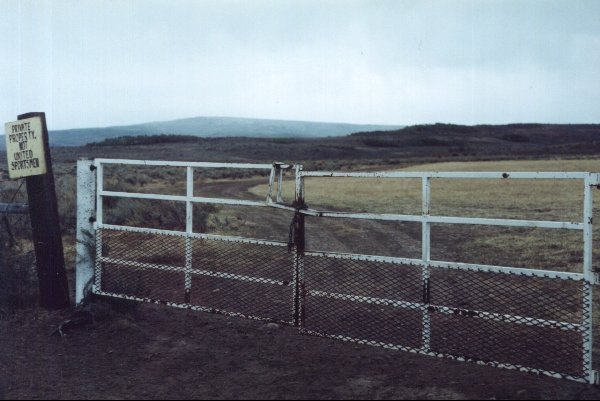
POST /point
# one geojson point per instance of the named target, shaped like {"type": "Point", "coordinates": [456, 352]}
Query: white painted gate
{"type": "Point", "coordinates": [538, 321]}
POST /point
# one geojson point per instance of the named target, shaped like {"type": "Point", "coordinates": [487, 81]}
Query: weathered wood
{"type": "Point", "coordinates": [45, 224]}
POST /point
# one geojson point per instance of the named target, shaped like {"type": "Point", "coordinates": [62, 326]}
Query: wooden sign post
{"type": "Point", "coordinates": [28, 154]}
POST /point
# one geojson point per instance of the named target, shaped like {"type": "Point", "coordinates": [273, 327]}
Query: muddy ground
{"type": "Point", "coordinates": [149, 351]}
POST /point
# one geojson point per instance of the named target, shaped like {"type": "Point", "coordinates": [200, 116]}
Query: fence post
{"type": "Point", "coordinates": [45, 227]}
{"type": "Point", "coordinates": [86, 238]}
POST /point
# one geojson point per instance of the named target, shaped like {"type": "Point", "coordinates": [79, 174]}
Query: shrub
{"type": "Point", "coordinates": [515, 138]}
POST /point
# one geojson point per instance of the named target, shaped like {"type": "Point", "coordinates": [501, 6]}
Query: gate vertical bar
{"type": "Point", "coordinates": [85, 244]}
{"type": "Point", "coordinates": [271, 184]}
{"type": "Point", "coordinates": [99, 220]}
{"type": "Point", "coordinates": [189, 225]}
{"type": "Point", "coordinates": [298, 238]}
{"type": "Point", "coordinates": [426, 256]}
{"type": "Point", "coordinates": [588, 208]}
{"type": "Point", "coordinates": [280, 185]}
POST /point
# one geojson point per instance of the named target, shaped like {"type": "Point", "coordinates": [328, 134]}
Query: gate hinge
{"type": "Point", "coordinates": [595, 376]}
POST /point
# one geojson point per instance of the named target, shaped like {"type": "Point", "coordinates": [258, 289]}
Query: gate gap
{"type": "Point", "coordinates": [160, 180]}
{"type": "Point", "coordinates": [521, 199]}
{"type": "Point", "coordinates": [533, 248]}
{"type": "Point", "coordinates": [230, 183]}
{"type": "Point", "coordinates": [364, 195]}
{"type": "Point", "coordinates": [144, 213]}
{"type": "Point", "coordinates": [369, 237]}
{"type": "Point", "coordinates": [245, 221]}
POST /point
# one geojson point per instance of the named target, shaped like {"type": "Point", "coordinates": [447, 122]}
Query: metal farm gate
{"type": "Point", "coordinates": [537, 321]}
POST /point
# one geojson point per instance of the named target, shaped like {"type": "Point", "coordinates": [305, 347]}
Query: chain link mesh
{"type": "Point", "coordinates": [141, 265]}
{"type": "Point", "coordinates": [250, 280]}
{"type": "Point", "coordinates": [528, 323]}
{"type": "Point", "coordinates": [364, 301]}
{"type": "Point", "coordinates": [524, 322]}
{"type": "Point", "coordinates": [247, 278]}
{"type": "Point", "coordinates": [533, 322]}
{"type": "Point", "coordinates": [510, 294]}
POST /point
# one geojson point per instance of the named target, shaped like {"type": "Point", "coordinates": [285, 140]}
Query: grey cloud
{"type": "Point", "coordinates": [397, 62]}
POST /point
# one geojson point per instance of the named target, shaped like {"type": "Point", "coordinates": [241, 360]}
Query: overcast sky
{"type": "Point", "coordinates": [101, 63]}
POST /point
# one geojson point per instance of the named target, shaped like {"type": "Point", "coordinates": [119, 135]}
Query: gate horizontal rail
{"type": "Point", "coordinates": [594, 177]}
{"type": "Point", "coordinates": [447, 219]}
{"type": "Point", "coordinates": [452, 265]}
{"type": "Point", "coordinates": [216, 237]}
{"type": "Point", "coordinates": [540, 321]}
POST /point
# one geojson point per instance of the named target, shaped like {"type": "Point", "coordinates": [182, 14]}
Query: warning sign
{"type": "Point", "coordinates": [25, 148]}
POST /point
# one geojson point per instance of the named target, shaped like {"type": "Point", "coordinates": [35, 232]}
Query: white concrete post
{"type": "Point", "coordinates": [86, 236]}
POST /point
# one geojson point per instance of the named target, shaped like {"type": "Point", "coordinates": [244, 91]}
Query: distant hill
{"type": "Point", "coordinates": [214, 127]}
{"type": "Point", "coordinates": [488, 139]}
{"type": "Point", "coordinates": [410, 145]}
